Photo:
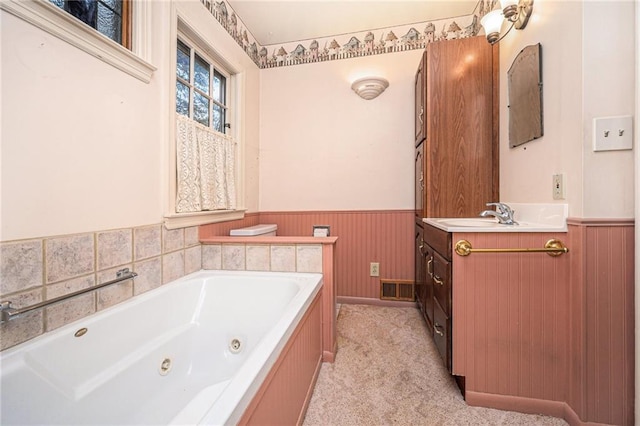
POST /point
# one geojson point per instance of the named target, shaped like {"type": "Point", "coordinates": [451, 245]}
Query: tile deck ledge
{"type": "Point", "coordinates": [269, 240]}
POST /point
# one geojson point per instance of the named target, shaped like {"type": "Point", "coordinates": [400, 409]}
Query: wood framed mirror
{"type": "Point", "coordinates": [525, 96]}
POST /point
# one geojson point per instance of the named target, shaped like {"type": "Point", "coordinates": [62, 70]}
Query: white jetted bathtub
{"type": "Point", "coordinates": [194, 351]}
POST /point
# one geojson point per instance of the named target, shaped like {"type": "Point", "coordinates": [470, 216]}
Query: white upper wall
{"type": "Point", "coordinates": [588, 63]}
{"type": "Point", "coordinates": [85, 147]}
{"type": "Point", "coordinates": [324, 148]}
{"type": "Point", "coordinates": [609, 90]}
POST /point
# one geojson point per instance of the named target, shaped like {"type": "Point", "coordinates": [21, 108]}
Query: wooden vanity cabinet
{"type": "Point", "coordinates": [456, 164]}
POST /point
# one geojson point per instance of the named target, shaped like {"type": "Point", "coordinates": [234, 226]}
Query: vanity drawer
{"type": "Point", "coordinates": [438, 239]}
{"type": "Point", "coordinates": [442, 282]}
{"type": "Point", "coordinates": [442, 333]}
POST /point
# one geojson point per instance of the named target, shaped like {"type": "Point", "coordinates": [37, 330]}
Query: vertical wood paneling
{"type": "Point", "coordinates": [511, 313]}
{"type": "Point", "coordinates": [549, 329]}
{"type": "Point", "coordinates": [363, 237]}
{"type": "Point", "coordinates": [609, 362]}
{"type": "Point", "coordinates": [577, 391]}
{"type": "Point", "coordinates": [286, 391]}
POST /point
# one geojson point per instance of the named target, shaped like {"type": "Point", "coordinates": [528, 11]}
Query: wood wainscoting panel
{"type": "Point", "coordinates": [609, 323]}
{"type": "Point", "coordinates": [363, 237]}
{"type": "Point", "coordinates": [538, 330]}
{"type": "Point", "coordinates": [511, 315]}
{"type": "Point", "coordinates": [285, 394]}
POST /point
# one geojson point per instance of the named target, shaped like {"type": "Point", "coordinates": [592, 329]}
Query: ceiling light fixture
{"type": "Point", "coordinates": [369, 87]}
{"type": "Point", "coordinates": [517, 12]}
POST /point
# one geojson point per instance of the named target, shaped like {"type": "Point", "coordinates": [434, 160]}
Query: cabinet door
{"type": "Point", "coordinates": [442, 282]}
{"type": "Point", "coordinates": [442, 334]}
{"type": "Point", "coordinates": [428, 293]}
{"type": "Point", "coordinates": [420, 101]}
{"type": "Point", "coordinates": [460, 133]}
{"type": "Point", "coordinates": [420, 268]}
{"type": "Point", "coordinates": [419, 182]}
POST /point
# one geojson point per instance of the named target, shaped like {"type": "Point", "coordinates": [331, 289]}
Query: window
{"type": "Point", "coordinates": [109, 17]}
{"type": "Point", "coordinates": [201, 88]}
{"type": "Point", "coordinates": [205, 151]}
{"type": "Point", "coordinates": [47, 16]}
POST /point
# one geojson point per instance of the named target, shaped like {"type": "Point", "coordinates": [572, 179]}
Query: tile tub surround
{"type": "Point", "coordinates": [281, 254]}
{"type": "Point", "coordinates": [44, 268]}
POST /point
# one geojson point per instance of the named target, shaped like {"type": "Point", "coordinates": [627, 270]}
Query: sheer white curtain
{"type": "Point", "coordinates": [205, 160]}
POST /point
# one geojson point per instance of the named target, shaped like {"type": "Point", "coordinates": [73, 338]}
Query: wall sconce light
{"type": "Point", "coordinates": [369, 87]}
{"type": "Point", "coordinates": [515, 11]}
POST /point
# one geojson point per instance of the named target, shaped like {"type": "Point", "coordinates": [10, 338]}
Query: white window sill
{"type": "Point", "coordinates": [185, 220]}
{"type": "Point", "coordinates": [60, 24]}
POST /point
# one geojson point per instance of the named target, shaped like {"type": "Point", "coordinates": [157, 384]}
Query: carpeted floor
{"type": "Point", "coordinates": [388, 372]}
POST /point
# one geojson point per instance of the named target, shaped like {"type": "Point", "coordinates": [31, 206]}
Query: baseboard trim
{"type": "Point", "coordinates": [520, 404]}
{"type": "Point", "coordinates": [348, 300]}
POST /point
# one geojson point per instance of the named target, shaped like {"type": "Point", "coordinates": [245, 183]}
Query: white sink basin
{"type": "Point", "coordinates": [469, 222]}
{"type": "Point", "coordinates": [530, 218]}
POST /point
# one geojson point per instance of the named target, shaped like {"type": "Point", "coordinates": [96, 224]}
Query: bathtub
{"type": "Point", "coordinates": [194, 351]}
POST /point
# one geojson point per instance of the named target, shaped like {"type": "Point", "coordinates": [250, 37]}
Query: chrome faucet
{"type": "Point", "coordinates": [503, 213]}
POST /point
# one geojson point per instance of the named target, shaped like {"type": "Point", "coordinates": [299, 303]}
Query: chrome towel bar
{"type": "Point", "coordinates": [553, 247]}
{"type": "Point", "coordinates": [7, 312]}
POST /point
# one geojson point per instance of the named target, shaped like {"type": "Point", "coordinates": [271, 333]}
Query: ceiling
{"type": "Point", "coordinates": [280, 21]}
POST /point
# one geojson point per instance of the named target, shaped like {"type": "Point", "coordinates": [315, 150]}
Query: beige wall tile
{"type": "Point", "coordinates": [258, 258]}
{"type": "Point", "coordinates": [25, 327]}
{"type": "Point", "coordinates": [192, 259]}
{"type": "Point", "coordinates": [233, 257]}
{"type": "Point", "coordinates": [173, 239]}
{"type": "Point", "coordinates": [309, 258]}
{"type": "Point", "coordinates": [147, 242]}
{"type": "Point", "coordinates": [113, 294]}
{"type": "Point", "coordinates": [191, 236]}
{"type": "Point", "coordinates": [149, 275]}
{"type": "Point", "coordinates": [20, 266]}
{"type": "Point", "coordinates": [114, 248]}
{"type": "Point", "coordinates": [73, 309]}
{"type": "Point", "coordinates": [172, 266]}
{"type": "Point", "coordinates": [212, 256]}
{"type": "Point", "coordinates": [283, 258]}
{"type": "Point", "coordinates": [69, 257]}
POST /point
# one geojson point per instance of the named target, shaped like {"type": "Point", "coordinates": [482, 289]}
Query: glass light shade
{"type": "Point", "coordinates": [369, 87]}
{"type": "Point", "coordinates": [492, 23]}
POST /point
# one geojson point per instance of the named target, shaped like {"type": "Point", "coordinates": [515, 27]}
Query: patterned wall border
{"type": "Point", "coordinates": [351, 45]}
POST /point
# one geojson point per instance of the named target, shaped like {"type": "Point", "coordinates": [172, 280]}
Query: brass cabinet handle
{"type": "Point", "coordinates": [429, 269]}
{"type": "Point", "coordinates": [421, 246]}
{"type": "Point", "coordinates": [438, 329]}
{"type": "Point", "coordinates": [437, 279]}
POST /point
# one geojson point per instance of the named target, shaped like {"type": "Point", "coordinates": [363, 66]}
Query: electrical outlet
{"type": "Point", "coordinates": [558, 187]}
{"type": "Point", "coordinates": [374, 269]}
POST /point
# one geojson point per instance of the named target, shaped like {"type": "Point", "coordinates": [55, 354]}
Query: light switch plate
{"type": "Point", "coordinates": [613, 133]}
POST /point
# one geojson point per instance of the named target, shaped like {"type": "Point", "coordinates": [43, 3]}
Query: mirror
{"type": "Point", "coordinates": [525, 96]}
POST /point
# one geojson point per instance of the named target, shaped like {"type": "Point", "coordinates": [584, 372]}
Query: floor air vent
{"type": "Point", "coordinates": [396, 290]}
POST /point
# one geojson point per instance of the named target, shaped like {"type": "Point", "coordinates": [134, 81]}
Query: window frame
{"type": "Point", "coordinates": [124, 14]}
{"type": "Point", "coordinates": [235, 84]}
{"type": "Point", "coordinates": [59, 23]}
{"type": "Point", "coordinates": [214, 68]}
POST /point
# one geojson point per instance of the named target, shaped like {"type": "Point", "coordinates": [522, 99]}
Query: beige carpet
{"type": "Point", "coordinates": [388, 372]}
